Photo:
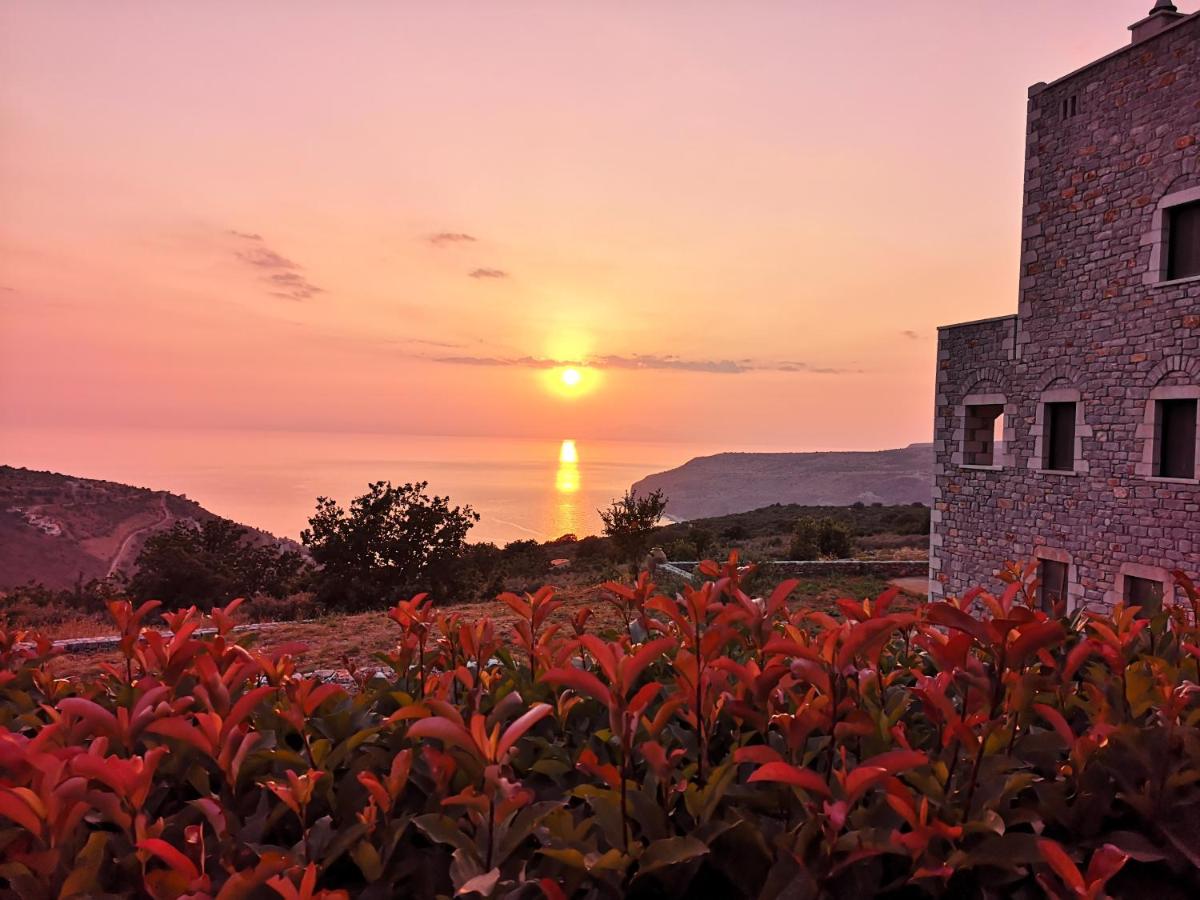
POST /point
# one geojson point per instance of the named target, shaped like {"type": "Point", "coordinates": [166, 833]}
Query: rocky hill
{"type": "Point", "coordinates": [59, 530]}
{"type": "Point", "coordinates": [737, 482]}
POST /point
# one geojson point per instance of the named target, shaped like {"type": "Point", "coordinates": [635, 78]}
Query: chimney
{"type": "Point", "coordinates": [1162, 16]}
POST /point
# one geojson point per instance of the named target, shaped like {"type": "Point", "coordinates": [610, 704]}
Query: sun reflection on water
{"type": "Point", "coordinates": [566, 479]}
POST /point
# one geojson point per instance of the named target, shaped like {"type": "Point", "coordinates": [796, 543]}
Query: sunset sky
{"type": "Point", "coordinates": [736, 220]}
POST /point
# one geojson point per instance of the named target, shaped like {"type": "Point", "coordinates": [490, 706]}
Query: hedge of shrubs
{"type": "Point", "coordinates": [718, 746]}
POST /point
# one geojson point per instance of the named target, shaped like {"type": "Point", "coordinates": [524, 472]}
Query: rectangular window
{"type": "Point", "coordinates": [1175, 431]}
{"type": "Point", "coordinates": [1144, 592]}
{"type": "Point", "coordinates": [1183, 240]}
{"type": "Point", "coordinates": [983, 432]}
{"type": "Point", "coordinates": [1059, 423]}
{"type": "Point", "coordinates": [1053, 588]}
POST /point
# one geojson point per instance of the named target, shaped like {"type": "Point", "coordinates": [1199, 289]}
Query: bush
{"type": "Point", "coordinates": [682, 550]}
{"type": "Point", "coordinates": [392, 540]}
{"type": "Point", "coordinates": [212, 563]}
{"type": "Point", "coordinates": [814, 538]}
{"type": "Point", "coordinates": [744, 749]}
{"type": "Point", "coordinates": [297, 607]}
{"type": "Point", "coordinates": [525, 560]}
{"type": "Point", "coordinates": [630, 520]}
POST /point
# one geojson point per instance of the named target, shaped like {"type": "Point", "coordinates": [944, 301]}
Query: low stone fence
{"type": "Point", "coordinates": [112, 641]}
{"type": "Point", "coordinates": [824, 568]}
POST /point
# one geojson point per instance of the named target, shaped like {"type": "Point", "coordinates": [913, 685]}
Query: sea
{"type": "Point", "coordinates": [522, 488]}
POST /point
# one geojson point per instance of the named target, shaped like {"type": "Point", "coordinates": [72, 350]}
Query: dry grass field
{"type": "Point", "coordinates": [329, 642]}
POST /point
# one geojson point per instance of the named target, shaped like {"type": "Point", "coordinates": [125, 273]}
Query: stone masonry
{"type": "Point", "coordinates": [1110, 149]}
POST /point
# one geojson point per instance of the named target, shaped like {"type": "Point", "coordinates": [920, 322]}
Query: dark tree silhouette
{"type": "Point", "coordinates": [393, 540]}
{"type": "Point", "coordinates": [629, 521]}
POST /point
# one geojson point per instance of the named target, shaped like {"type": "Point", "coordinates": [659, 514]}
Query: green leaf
{"type": "Point", "coordinates": [442, 830]}
{"type": "Point", "coordinates": [82, 879]}
{"type": "Point", "coordinates": [367, 859]}
{"type": "Point", "coordinates": [513, 833]}
{"type": "Point", "coordinates": [670, 851]}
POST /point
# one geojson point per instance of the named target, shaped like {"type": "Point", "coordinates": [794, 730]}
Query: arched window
{"type": "Point", "coordinates": [1169, 433]}
{"type": "Point", "coordinates": [982, 438]}
{"type": "Point", "coordinates": [1058, 432]}
{"type": "Point", "coordinates": [1174, 238]}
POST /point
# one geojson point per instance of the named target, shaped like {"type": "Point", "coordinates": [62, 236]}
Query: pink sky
{"type": "Point", "coordinates": [225, 215]}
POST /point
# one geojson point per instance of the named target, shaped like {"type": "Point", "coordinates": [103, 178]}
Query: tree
{"type": "Point", "coordinates": [806, 539]}
{"type": "Point", "coordinates": [630, 520]}
{"type": "Point", "coordinates": [813, 538]}
{"type": "Point", "coordinates": [702, 539]}
{"type": "Point", "coordinates": [392, 541]}
{"type": "Point", "coordinates": [835, 539]}
{"type": "Point", "coordinates": [211, 563]}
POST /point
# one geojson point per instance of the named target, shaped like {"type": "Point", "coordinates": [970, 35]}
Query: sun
{"type": "Point", "coordinates": [570, 381]}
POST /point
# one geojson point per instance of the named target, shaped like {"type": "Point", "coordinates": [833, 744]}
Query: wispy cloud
{"type": "Point", "coordinates": [487, 273]}
{"type": "Point", "coordinates": [911, 335]}
{"type": "Point", "coordinates": [284, 276]}
{"type": "Point", "coordinates": [646, 362]}
{"type": "Point", "coordinates": [450, 238]}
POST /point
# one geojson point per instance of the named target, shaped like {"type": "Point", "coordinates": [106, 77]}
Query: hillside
{"type": "Point", "coordinates": [56, 529]}
{"type": "Point", "coordinates": [736, 482]}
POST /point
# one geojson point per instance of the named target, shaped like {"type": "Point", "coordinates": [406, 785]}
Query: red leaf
{"type": "Point", "coordinates": [19, 811]}
{"type": "Point", "coordinates": [758, 753]}
{"type": "Point", "coordinates": [1057, 722]}
{"type": "Point", "coordinates": [581, 682]}
{"type": "Point", "coordinates": [870, 632]}
{"type": "Point", "coordinates": [1062, 864]}
{"type": "Point", "coordinates": [172, 857]}
{"type": "Point", "coordinates": [633, 666]}
{"type": "Point", "coordinates": [1105, 863]}
{"type": "Point", "coordinates": [1033, 637]}
{"type": "Point", "coordinates": [894, 761]}
{"type": "Point", "coordinates": [513, 733]}
{"type": "Point", "coordinates": [449, 733]}
{"type": "Point", "coordinates": [948, 617]}
{"type": "Point", "coordinates": [787, 774]}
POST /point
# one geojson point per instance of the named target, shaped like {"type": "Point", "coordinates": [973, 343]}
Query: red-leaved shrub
{"type": "Point", "coordinates": [719, 745]}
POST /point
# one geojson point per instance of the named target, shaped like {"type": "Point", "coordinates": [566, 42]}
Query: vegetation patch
{"type": "Point", "coordinates": [711, 743]}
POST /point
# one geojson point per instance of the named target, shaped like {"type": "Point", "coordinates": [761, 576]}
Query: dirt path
{"type": "Point", "coordinates": [917, 587]}
{"type": "Point", "coordinates": [123, 550]}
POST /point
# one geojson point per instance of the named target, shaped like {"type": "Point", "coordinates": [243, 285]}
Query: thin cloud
{"type": "Point", "coordinates": [644, 362]}
{"type": "Point", "coordinates": [284, 276]}
{"type": "Point", "coordinates": [450, 238]}
{"type": "Point", "coordinates": [911, 335]}
{"type": "Point", "coordinates": [487, 273]}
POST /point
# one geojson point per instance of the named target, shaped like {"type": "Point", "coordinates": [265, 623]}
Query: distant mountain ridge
{"type": "Point", "coordinates": [59, 530]}
{"type": "Point", "coordinates": [738, 482]}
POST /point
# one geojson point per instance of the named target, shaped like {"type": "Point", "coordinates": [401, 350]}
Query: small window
{"type": "Point", "coordinates": [1059, 454]}
{"type": "Point", "coordinates": [1052, 590]}
{"type": "Point", "coordinates": [1175, 436]}
{"type": "Point", "coordinates": [982, 434]}
{"type": "Point", "coordinates": [1070, 106]}
{"type": "Point", "coordinates": [1144, 592]}
{"type": "Point", "coordinates": [1183, 240]}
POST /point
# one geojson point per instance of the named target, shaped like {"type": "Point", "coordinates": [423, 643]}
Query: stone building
{"type": "Point", "coordinates": [1067, 433]}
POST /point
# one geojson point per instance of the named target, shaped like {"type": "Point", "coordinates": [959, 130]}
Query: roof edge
{"type": "Point", "coordinates": [977, 322]}
{"type": "Point", "coordinates": [1041, 86]}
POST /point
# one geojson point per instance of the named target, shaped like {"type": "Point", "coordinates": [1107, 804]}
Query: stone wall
{"type": "Point", "coordinates": [1095, 322]}
{"type": "Point", "coordinates": [824, 568]}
